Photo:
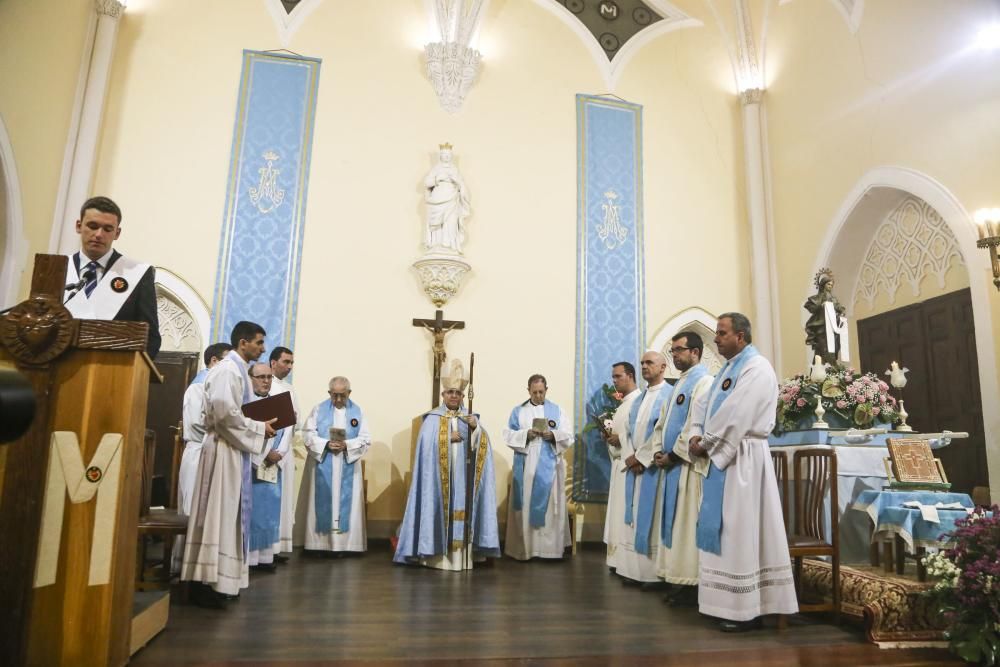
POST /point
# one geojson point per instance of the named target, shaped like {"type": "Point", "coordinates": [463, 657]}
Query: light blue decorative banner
{"type": "Point", "coordinates": [261, 245]}
{"type": "Point", "coordinates": [610, 311]}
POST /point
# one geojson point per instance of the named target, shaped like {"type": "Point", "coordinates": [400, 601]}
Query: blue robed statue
{"type": "Point", "coordinates": [433, 529]}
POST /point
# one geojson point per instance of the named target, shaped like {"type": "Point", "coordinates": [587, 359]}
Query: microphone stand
{"type": "Point", "coordinates": [470, 471]}
{"type": "Point", "coordinates": [74, 287]}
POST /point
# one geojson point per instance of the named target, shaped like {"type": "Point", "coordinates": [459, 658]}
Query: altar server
{"type": "Point", "coordinates": [433, 529]}
{"type": "Point", "coordinates": [110, 286]}
{"type": "Point", "coordinates": [679, 497]}
{"type": "Point", "coordinates": [539, 433]}
{"type": "Point", "coordinates": [218, 534]}
{"type": "Point", "coordinates": [269, 483]}
{"type": "Point", "coordinates": [745, 570]}
{"type": "Point", "coordinates": [335, 494]}
{"type": "Point", "coordinates": [640, 536]}
{"type": "Point", "coordinates": [623, 377]}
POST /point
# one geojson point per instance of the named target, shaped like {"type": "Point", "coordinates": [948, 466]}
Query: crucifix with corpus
{"type": "Point", "coordinates": [438, 327]}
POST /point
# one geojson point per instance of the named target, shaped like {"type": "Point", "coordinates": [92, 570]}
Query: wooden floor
{"type": "Point", "coordinates": [321, 612]}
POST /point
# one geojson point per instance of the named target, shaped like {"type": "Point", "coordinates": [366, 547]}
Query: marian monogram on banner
{"type": "Point", "coordinates": [267, 196]}
{"type": "Point", "coordinates": [610, 230]}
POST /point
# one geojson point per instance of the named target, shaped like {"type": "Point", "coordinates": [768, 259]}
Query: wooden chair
{"type": "Point", "coordinates": [165, 523]}
{"type": "Point", "coordinates": [815, 472]}
{"type": "Point", "coordinates": [780, 461]}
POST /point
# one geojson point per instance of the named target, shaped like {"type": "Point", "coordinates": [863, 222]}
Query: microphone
{"type": "Point", "coordinates": [80, 284]}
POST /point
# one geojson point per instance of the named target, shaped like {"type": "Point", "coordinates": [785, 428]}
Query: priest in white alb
{"type": "Point", "coordinates": [192, 423]}
{"type": "Point", "coordinates": [745, 570]}
{"type": "Point", "coordinates": [639, 540]}
{"type": "Point", "coordinates": [218, 534]}
{"type": "Point", "coordinates": [437, 529]}
{"type": "Point", "coordinates": [337, 437]}
{"type": "Point", "coordinates": [539, 433]}
{"type": "Point", "coordinates": [623, 377]}
{"type": "Point", "coordinates": [268, 483]}
{"type": "Point", "coordinates": [679, 497]}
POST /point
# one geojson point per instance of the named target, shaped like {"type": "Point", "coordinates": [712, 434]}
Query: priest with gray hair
{"type": "Point", "coordinates": [337, 437]}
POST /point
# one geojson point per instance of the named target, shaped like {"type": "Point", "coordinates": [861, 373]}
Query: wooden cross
{"type": "Point", "coordinates": [439, 327]}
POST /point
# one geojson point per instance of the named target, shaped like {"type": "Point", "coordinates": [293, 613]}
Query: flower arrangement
{"type": "Point", "coordinates": [859, 399]}
{"type": "Point", "coordinates": [967, 592]}
{"type": "Point", "coordinates": [601, 409]}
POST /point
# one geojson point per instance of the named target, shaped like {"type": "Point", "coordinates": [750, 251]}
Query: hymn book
{"type": "Point", "coordinates": [267, 473]}
{"type": "Point", "coordinates": [540, 424]}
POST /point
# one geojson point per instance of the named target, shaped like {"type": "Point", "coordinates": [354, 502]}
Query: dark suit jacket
{"type": "Point", "coordinates": [140, 306]}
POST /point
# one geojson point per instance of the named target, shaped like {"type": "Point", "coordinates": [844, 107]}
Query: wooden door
{"type": "Point", "coordinates": [936, 340]}
{"type": "Point", "coordinates": [163, 415]}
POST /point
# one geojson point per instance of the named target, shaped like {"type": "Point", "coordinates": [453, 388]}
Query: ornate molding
{"type": "Point", "coordinates": [178, 330]}
{"type": "Point", "coordinates": [111, 8]}
{"type": "Point", "coordinates": [912, 242]}
{"type": "Point", "coordinates": [452, 63]}
{"type": "Point", "coordinates": [751, 96]}
{"type": "Point", "coordinates": [441, 276]}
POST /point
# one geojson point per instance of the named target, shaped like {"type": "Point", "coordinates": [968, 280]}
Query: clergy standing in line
{"type": "Point", "coordinates": [335, 487]}
{"type": "Point", "coordinates": [640, 536]}
{"type": "Point", "coordinates": [623, 377]}
{"type": "Point", "coordinates": [680, 489]}
{"type": "Point", "coordinates": [193, 424]}
{"type": "Point", "coordinates": [110, 286]}
{"type": "Point", "coordinates": [745, 570]}
{"type": "Point", "coordinates": [268, 492]}
{"type": "Point", "coordinates": [218, 534]}
{"type": "Point", "coordinates": [282, 359]}
{"type": "Point", "coordinates": [539, 433]}
{"type": "Point", "coordinates": [433, 529]}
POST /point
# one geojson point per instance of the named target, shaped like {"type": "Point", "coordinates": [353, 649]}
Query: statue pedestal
{"type": "Point", "coordinates": [441, 273]}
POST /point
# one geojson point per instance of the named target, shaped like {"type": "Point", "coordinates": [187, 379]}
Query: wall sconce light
{"type": "Point", "coordinates": [988, 221]}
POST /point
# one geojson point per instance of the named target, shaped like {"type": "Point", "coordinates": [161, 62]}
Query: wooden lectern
{"type": "Point", "coordinates": [69, 488]}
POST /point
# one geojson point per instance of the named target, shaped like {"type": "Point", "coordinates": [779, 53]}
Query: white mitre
{"type": "Point", "coordinates": [455, 379]}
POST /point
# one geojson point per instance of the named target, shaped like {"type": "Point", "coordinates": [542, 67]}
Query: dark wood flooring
{"type": "Point", "coordinates": [365, 609]}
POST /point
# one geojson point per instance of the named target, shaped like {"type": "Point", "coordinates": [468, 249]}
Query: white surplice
{"type": "Point", "coordinates": [679, 563]}
{"type": "Point", "coordinates": [752, 575]}
{"type": "Point", "coordinates": [192, 418]}
{"type": "Point", "coordinates": [614, 517]}
{"type": "Point", "coordinates": [288, 468]}
{"type": "Point", "coordinates": [549, 541]}
{"type": "Point", "coordinates": [355, 539]}
{"type": "Point", "coordinates": [213, 552]}
{"type": "Point", "coordinates": [630, 564]}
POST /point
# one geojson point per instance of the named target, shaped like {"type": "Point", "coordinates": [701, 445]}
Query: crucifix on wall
{"type": "Point", "coordinates": [438, 327]}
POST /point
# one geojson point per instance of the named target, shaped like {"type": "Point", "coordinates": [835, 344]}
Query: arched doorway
{"type": "Point", "coordinates": [850, 235]}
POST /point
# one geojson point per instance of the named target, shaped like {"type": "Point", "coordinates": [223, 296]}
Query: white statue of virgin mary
{"type": "Point", "coordinates": [447, 201]}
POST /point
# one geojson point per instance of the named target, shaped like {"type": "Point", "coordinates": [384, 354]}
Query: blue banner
{"type": "Point", "coordinates": [261, 246]}
{"type": "Point", "coordinates": [610, 311]}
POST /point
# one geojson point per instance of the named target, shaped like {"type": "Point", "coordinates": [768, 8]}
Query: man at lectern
{"type": "Point", "coordinates": [106, 285]}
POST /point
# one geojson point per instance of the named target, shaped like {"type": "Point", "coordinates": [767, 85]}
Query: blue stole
{"type": "Point", "coordinates": [651, 472]}
{"type": "Point", "coordinates": [246, 496]}
{"type": "Point", "coordinates": [671, 431]}
{"type": "Point", "coordinates": [709, 532]}
{"type": "Point", "coordinates": [324, 470]}
{"type": "Point", "coordinates": [199, 377]}
{"type": "Point", "coordinates": [545, 470]}
{"type": "Point", "coordinates": [265, 519]}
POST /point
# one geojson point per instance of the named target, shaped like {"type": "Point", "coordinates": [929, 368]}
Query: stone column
{"type": "Point", "coordinates": [762, 250]}
{"type": "Point", "coordinates": [88, 125]}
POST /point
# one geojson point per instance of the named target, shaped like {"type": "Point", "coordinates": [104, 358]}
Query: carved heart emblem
{"type": "Point", "coordinates": [37, 331]}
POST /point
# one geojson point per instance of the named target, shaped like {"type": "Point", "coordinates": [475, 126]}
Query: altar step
{"type": "Point", "coordinates": [892, 607]}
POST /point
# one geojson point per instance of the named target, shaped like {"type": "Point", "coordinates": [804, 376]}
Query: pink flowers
{"type": "Point", "coordinates": [841, 405]}
{"type": "Point", "coordinates": [801, 402]}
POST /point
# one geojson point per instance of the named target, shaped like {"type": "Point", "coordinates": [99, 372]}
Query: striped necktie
{"type": "Point", "coordinates": [90, 269]}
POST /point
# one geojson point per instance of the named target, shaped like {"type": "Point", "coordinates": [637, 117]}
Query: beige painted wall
{"type": "Point", "coordinates": [907, 90]}
{"type": "Point", "coordinates": [41, 44]}
{"type": "Point", "coordinates": [166, 146]}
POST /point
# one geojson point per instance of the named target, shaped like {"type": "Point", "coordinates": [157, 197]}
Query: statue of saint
{"type": "Point", "coordinates": [826, 328]}
{"type": "Point", "coordinates": [447, 201]}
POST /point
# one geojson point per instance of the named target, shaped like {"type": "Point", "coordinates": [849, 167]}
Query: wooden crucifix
{"type": "Point", "coordinates": [438, 327]}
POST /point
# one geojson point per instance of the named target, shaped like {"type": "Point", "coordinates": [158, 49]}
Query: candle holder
{"type": "Point", "coordinates": [819, 423]}
{"type": "Point", "coordinates": [988, 220]}
{"type": "Point", "coordinates": [903, 414]}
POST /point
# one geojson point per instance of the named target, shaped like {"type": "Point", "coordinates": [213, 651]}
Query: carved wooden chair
{"type": "Point", "coordinates": [815, 472]}
{"type": "Point", "coordinates": [165, 523]}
